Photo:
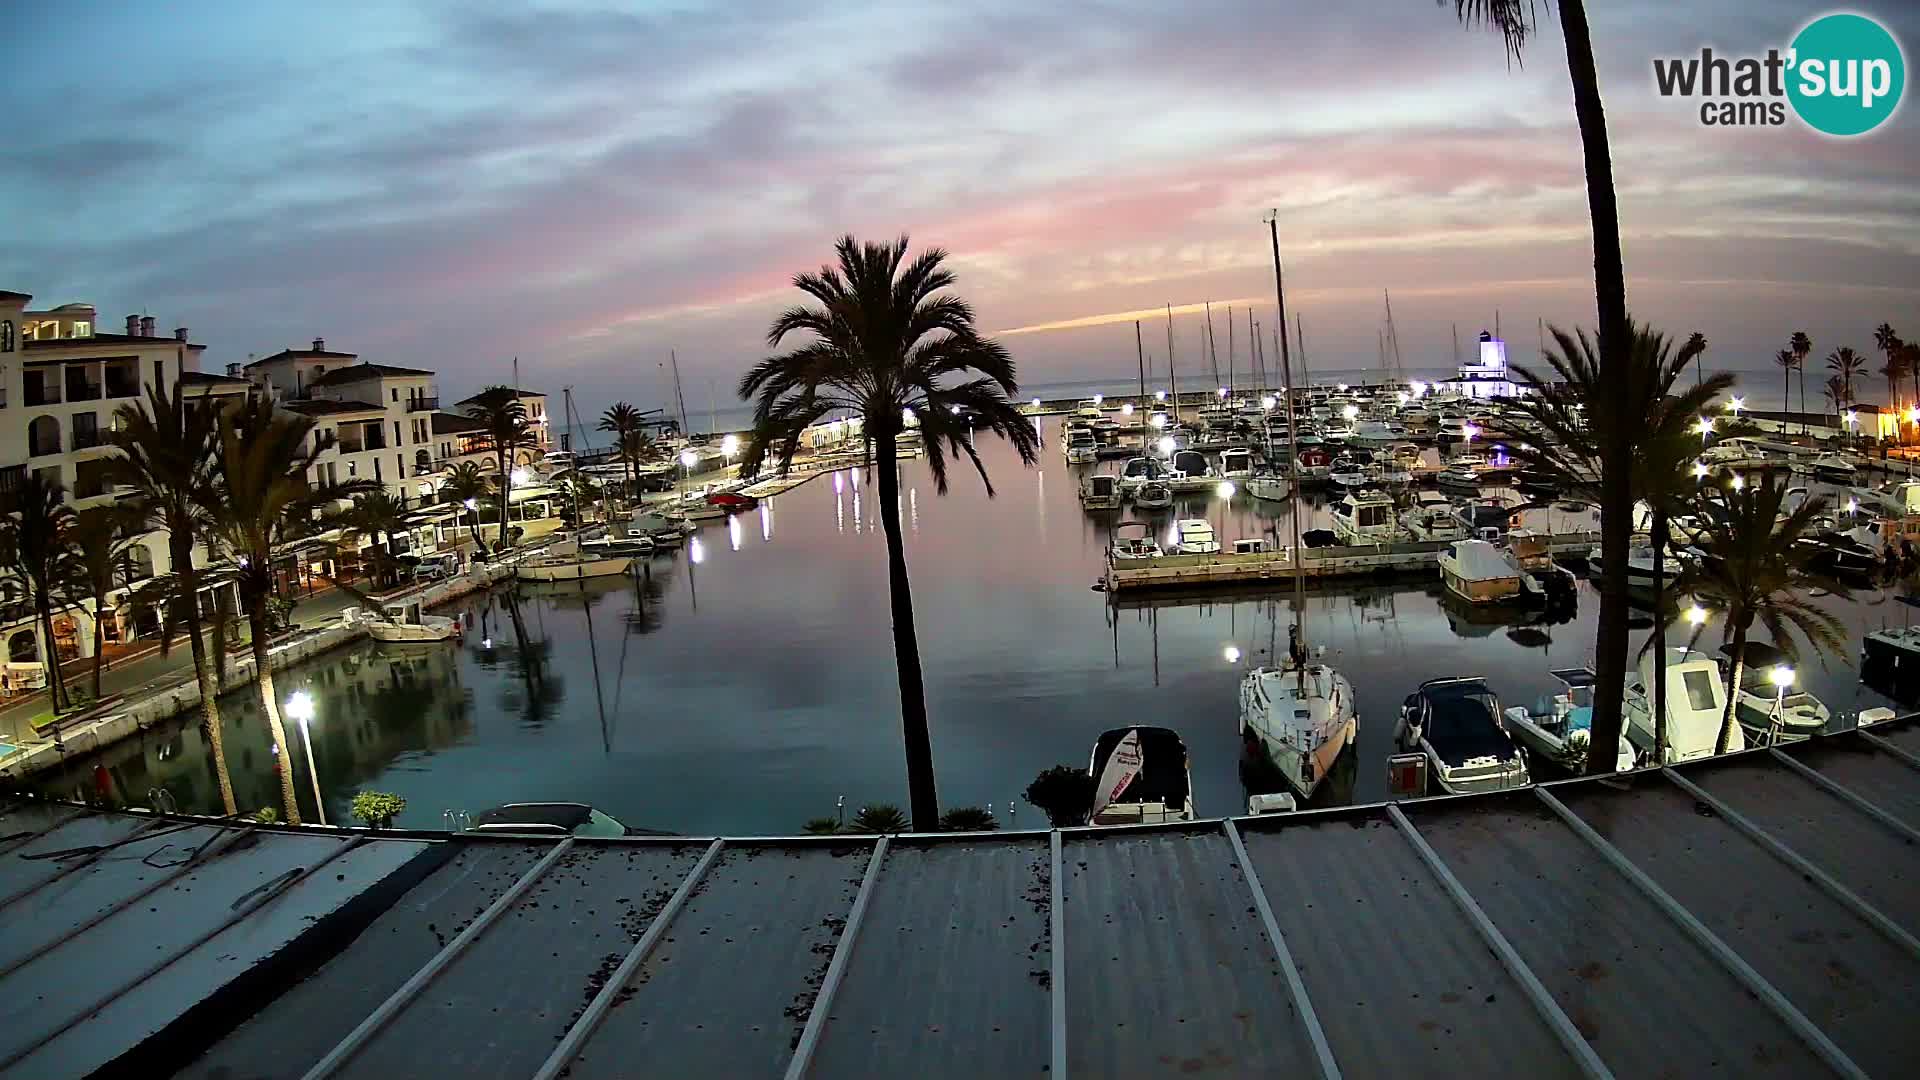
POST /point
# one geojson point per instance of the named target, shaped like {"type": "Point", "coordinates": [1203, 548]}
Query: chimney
{"type": "Point", "coordinates": [146, 326]}
{"type": "Point", "coordinates": [233, 369]}
{"type": "Point", "coordinates": [133, 326]}
{"type": "Point", "coordinates": [179, 333]}
{"type": "Point", "coordinates": [319, 344]}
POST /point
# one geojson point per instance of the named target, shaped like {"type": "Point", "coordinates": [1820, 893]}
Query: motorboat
{"type": "Point", "coordinates": [1140, 776]}
{"type": "Point", "coordinates": [1195, 537]}
{"type": "Point", "coordinates": [1484, 520]}
{"type": "Point", "coordinates": [1191, 471]}
{"type": "Point", "coordinates": [1429, 521]}
{"type": "Point", "coordinates": [1769, 712]}
{"type": "Point", "coordinates": [1376, 433]}
{"type": "Point", "coordinates": [1138, 471]}
{"type": "Point", "coordinates": [1481, 573]}
{"type": "Point", "coordinates": [1312, 464]}
{"type": "Point", "coordinates": [551, 819]}
{"type": "Point", "coordinates": [1236, 464]}
{"type": "Point", "coordinates": [1133, 542]}
{"type": "Point", "coordinates": [571, 567]}
{"type": "Point", "coordinates": [1833, 467]}
{"type": "Point", "coordinates": [404, 624]}
{"type": "Point", "coordinates": [1696, 704]}
{"type": "Point", "coordinates": [1545, 579]}
{"type": "Point", "coordinates": [1454, 429]}
{"type": "Point", "coordinates": [1079, 445]}
{"type": "Point", "coordinates": [664, 531]}
{"type": "Point", "coordinates": [1405, 455]}
{"type": "Point", "coordinates": [1640, 563]}
{"type": "Point", "coordinates": [1890, 662]}
{"type": "Point", "coordinates": [1366, 517]}
{"type": "Point", "coordinates": [1734, 452]}
{"type": "Point", "coordinates": [1298, 719]}
{"type": "Point", "coordinates": [1155, 495]}
{"type": "Point", "coordinates": [1100, 491]}
{"type": "Point", "coordinates": [1456, 724]}
{"type": "Point", "coordinates": [1559, 726]}
{"type": "Point", "coordinates": [1345, 473]}
{"type": "Point", "coordinates": [1899, 499]}
{"type": "Point", "coordinates": [1088, 409]}
{"type": "Point", "coordinates": [635, 542]}
{"type": "Point", "coordinates": [1842, 551]}
{"type": "Point", "coordinates": [1463, 473]}
{"type": "Point", "coordinates": [1270, 486]}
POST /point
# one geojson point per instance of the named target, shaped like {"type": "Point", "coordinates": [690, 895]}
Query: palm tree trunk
{"type": "Point", "coordinates": [189, 579]}
{"type": "Point", "coordinates": [1786, 401]}
{"type": "Point", "coordinates": [921, 795]}
{"type": "Point", "coordinates": [263, 677]}
{"type": "Point", "coordinates": [1659, 628]}
{"type": "Point", "coordinates": [506, 496]}
{"type": "Point", "coordinates": [221, 622]}
{"type": "Point", "coordinates": [1733, 688]}
{"type": "Point", "coordinates": [1610, 295]}
{"type": "Point", "coordinates": [50, 658]}
{"type": "Point", "coordinates": [99, 640]}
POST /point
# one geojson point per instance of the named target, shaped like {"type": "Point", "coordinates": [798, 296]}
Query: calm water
{"type": "Point", "coordinates": [747, 689]}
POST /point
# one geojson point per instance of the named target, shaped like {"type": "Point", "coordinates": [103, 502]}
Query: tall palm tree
{"type": "Point", "coordinates": [1836, 393]}
{"type": "Point", "coordinates": [101, 536]}
{"type": "Point", "coordinates": [1753, 570]}
{"type": "Point", "coordinates": [1887, 340]}
{"type": "Point", "coordinates": [261, 505]}
{"type": "Point", "coordinates": [1846, 363]}
{"type": "Point", "coordinates": [377, 515]}
{"type": "Point", "coordinates": [1697, 346]}
{"type": "Point", "coordinates": [622, 420]}
{"type": "Point", "coordinates": [42, 567]}
{"type": "Point", "coordinates": [166, 451]}
{"type": "Point", "coordinates": [1893, 371]}
{"type": "Point", "coordinates": [1787, 362]}
{"type": "Point", "coordinates": [1514, 21]}
{"type": "Point", "coordinates": [467, 485]}
{"type": "Point", "coordinates": [1802, 347]}
{"type": "Point", "coordinates": [885, 346]}
{"type": "Point", "coordinates": [505, 420]}
{"type": "Point", "coordinates": [1576, 411]}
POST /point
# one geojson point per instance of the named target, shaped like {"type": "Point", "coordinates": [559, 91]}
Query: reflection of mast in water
{"type": "Point", "coordinates": [696, 554]}
{"type": "Point", "coordinates": [593, 651]}
{"type": "Point", "coordinates": [1153, 620]}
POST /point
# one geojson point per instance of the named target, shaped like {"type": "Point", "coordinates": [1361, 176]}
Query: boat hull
{"type": "Point", "coordinates": [573, 569]}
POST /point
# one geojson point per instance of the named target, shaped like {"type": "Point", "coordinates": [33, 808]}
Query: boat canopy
{"type": "Point", "coordinates": [1478, 560]}
{"type": "Point", "coordinates": [1459, 719]}
{"type": "Point", "coordinates": [1162, 776]}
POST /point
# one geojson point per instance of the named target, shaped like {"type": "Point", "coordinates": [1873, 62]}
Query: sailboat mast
{"type": "Point", "coordinates": [1293, 439]}
{"type": "Point", "coordinates": [1300, 340]}
{"type": "Point", "coordinates": [673, 357]}
{"type": "Point", "coordinates": [1253, 347]}
{"type": "Point", "coordinates": [1230, 343]}
{"type": "Point", "coordinates": [1393, 335]}
{"type": "Point", "coordinates": [1456, 344]}
{"type": "Point", "coordinates": [1213, 351]}
{"type": "Point", "coordinates": [1140, 351]}
{"type": "Point", "coordinates": [1173, 380]}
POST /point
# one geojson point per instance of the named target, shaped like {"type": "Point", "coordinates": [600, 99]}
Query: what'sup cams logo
{"type": "Point", "coordinates": [1843, 75]}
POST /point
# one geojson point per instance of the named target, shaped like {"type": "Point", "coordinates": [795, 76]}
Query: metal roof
{"type": "Point", "coordinates": [1755, 913]}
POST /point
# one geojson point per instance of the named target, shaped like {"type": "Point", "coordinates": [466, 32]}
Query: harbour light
{"type": "Point", "coordinates": [954, 409]}
{"type": "Point", "coordinates": [1343, 387]}
{"type": "Point", "coordinates": [1853, 506]}
{"type": "Point", "coordinates": [1739, 481]}
{"type": "Point", "coordinates": [1402, 396]}
{"type": "Point", "coordinates": [1699, 470]}
{"type": "Point", "coordinates": [730, 445]}
{"type": "Point", "coordinates": [1166, 445]}
{"type": "Point", "coordinates": [1781, 676]}
{"type": "Point", "coordinates": [1470, 431]}
{"type": "Point", "coordinates": [689, 459]}
{"type": "Point", "coordinates": [1350, 411]}
{"type": "Point", "coordinates": [1734, 405]}
{"type": "Point", "coordinates": [1035, 403]}
{"type": "Point", "coordinates": [1224, 489]}
{"type": "Point", "coordinates": [1098, 398]}
{"type": "Point", "coordinates": [1419, 388]}
{"type": "Point", "coordinates": [518, 476]}
{"type": "Point", "coordinates": [1158, 421]}
{"type": "Point", "coordinates": [300, 706]}
{"type": "Point", "coordinates": [1232, 653]}
{"type": "Point", "coordinates": [1269, 402]}
{"type": "Point", "coordinates": [1851, 418]}
{"type": "Point", "coordinates": [1127, 409]}
{"type": "Point", "coordinates": [471, 504]}
{"type": "Point", "coordinates": [1696, 615]}
{"type": "Point", "coordinates": [1705, 427]}
{"type": "Point", "coordinates": [907, 418]}
{"type": "Point", "coordinates": [1223, 393]}
{"type": "Point", "coordinates": [1159, 395]}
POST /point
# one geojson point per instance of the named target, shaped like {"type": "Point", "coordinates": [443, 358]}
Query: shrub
{"type": "Point", "coordinates": [377, 809]}
{"type": "Point", "coordinates": [821, 826]}
{"type": "Point", "coordinates": [968, 819]}
{"type": "Point", "coordinates": [1063, 793]}
{"type": "Point", "coordinates": [878, 818]}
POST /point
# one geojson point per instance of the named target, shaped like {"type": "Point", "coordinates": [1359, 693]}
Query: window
{"type": "Point", "coordinates": [6, 335]}
{"type": "Point", "coordinates": [86, 431]}
{"type": "Point", "coordinates": [159, 374]}
{"type": "Point", "coordinates": [396, 397]}
{"type": "Point", "coordinates": [396, 434]}
{"type": "Point", "coordinates": [1699, 691]}
{"type": "Point", "coordinates": [43, 435]}
{"type": "Point", "coordinates": [82, 328]}
{"type": "Point", "coordinates": [376, 468]}
{"type": "Point", "coordinates": [90, 478]}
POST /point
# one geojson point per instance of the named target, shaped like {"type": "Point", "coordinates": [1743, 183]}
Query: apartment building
{"type": "Point", "coordinates": [533, 402]}
{"type": "Point", "coordinates": [380, 415]}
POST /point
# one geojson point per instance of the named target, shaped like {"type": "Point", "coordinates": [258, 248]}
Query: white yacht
{"type": "Point", "coordinates": [571, 567]}
{"type": "Point", "coordinates": [1481, 573]}
{"type": "Point", "coordinates": [1559, 726]}
{"type": "Point", "coordinates": [1191, 471]}
{"type": "Point", "coordinates": [1376, 433]}
{"type": "Point", "coordinates": [1140, 776]}
{"type": "Point", "coordinates": [1696, 704]}
{"type": "Point", "coordinates": [1100, 491]}
{"type": "Point", "coordinates": [1195, 537]}
{"type": "Point", "coordinates": [1833, 467]}
{"type": "Point", "coordinates": [1138, 471]}
{"type": "Point", "coordinates": [1640, 563]}
{"type": "Point", "coordinates": [1270, 486]}
{"type": "Point", "coordinates": [1769, 716]}
{"type": "Point", "coordinates": [405, 624]}
{"type": "Point", "coordinates": [1463, 472]}
{"type": "Point", "coordinates": [1153, 496]}
{"type": "Point", "coordinates": [1236, 464]}
{"type": "Point", "coordinates": [1299, 719]}
{"type": "Point", "coordinates": [664, 531]}
{"type": "Point", "coordinates": [1366, 517]}
{"type": "Point", "coordinates": [1133, 542]}
{"type": "Point", "coordinates": [635, 543]}
{"type": "Point", "coordinates": [1456, 723]}
{"type": "Point", "coordinates": [1079, 445]}
{"type": "Point", "coordinates": [1432, 518]}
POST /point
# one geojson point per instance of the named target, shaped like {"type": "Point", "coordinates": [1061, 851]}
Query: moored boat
{"type": "Point", "coordinates": [404, 624]}
{"type": "Point", "coordinates": [1140, 776]}
{"type": "Point", "coordinates": [1298, 719]}
{"type": "Point", "coordinates": [1559, 727]}
{"type": "Point", "coordinates": [571, 567]}
{"type": "Point", "coordinates": [1456, 724]}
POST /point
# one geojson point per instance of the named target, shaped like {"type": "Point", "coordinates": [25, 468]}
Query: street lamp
{"type": "Point", "coordinates": [1126, 409]}
{"type": "Point", "coordinates": [1739, 482]}
{"type": "Point", "coordinates": [1402, 396]}
{"type": "Point", "coordinates": [1035, 403]}
{"type": "Point", "coordinates": [1419, 388]}
{"type": "Point", "coordinates": [300, 708]}
{"type": "Point", "coordinates": [1267, 403]}
{"type": "Point", "coordinates": [1343, 387]}
{"type": "Point", "coordinates": [1098, 398]}
{"type": "Point", "coordinates": [1852, 420]}
{"type": "Point", "coordinates": [1782, 679]}
{"type": "Point", "coordinates": [687, 461]}
{"type": "Point", "coordinates": [907, 418]}
{"type": "Point", "coordinates": [1705, 428]}
{"type": "Point", "coordinates": [1223, 393]}
{"type": "Point", "coordinates": [1734, 405]}
{"type": "Point", "coordinates": [1470, 431]}
{"type": "Point", "coordinates": [1166, 446]}
{"type": "Point", "coordinates": [1700, 470]}
{"type": "Point", "coordinates": [1232, 653]}
{"type": "Point", "coordinates": [1348, 412]}
{"type": "Point", "coordinates": [1696, 616]}
{"type": "Point", "coordinates": [1159, 395]}
{"type": "Point", "coordinates": [1158, 421]}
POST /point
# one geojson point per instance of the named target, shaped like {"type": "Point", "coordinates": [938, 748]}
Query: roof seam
{"type": "Point", "coordinates": [816, 1024]}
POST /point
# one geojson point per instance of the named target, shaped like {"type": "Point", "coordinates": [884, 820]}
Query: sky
{"type": "Point", "coordinates": [588, 186]}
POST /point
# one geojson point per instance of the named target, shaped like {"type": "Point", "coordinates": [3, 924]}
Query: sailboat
{"type": "Point", "coordinates": [573, 565]}
{"type": "Point", "coordinates": [1298, 717]}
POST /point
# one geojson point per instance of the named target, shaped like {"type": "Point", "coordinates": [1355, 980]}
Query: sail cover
{"type": "Point", "coordinates": [1122, 766]}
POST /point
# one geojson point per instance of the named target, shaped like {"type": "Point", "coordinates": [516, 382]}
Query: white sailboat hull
{"type": "Point", "coordinates": [572, 569]}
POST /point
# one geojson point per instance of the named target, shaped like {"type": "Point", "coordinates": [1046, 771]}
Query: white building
{"type": "Point", "coordinates": [1485, 376]}
{"type": "Point", "coordinates": [61, 381]}
{"type": "Point", "coordinates": [533, 402]}
{"type": "Point", "coordinates": [380, 415]}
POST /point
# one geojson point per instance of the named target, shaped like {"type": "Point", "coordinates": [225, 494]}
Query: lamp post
{"type": "Point", "coordinates": [1782, 679]}
{"type": "Point", "coordinates": [729, 446]}
{"type": "Point", "coordinates": [687, 461]}
{"type": "Point", "coordinates": [1852, 420]}
{"type": "Point", "coordinates": [1700, 471]}
{"type": "Point", "coordinates": [300, 707]}
{"type": "Point", "coordinates": [1225, 490]}
{"type": "Point", "coordinates": [1734, 405]}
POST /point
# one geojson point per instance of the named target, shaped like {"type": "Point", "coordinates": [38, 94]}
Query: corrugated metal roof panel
{"type": "Point", "coordinates": [1648, 999]}
{"type": "Point", "coordinates": [295, 1030]}
{"type": "Point", "coordinates": [1396, 974]}
{"type": "Point", "coordinates": [1875, 862]}
{"type": "Point", "coordinates": [948, 977]}
{"type": "Point", "coordinates": [751, 945]}
{"type": "Point", "coordinates": [498, 1009]}
{"type": "Point", "coordinates": [21, 822]}
{"type": "Point", "coordinates": [163, 998]}
{"type": "Point", "coordinates": [1904, 733]}
{"type": "Point", "coordinates": [1812, 948]}
{"type": "Point", "coordinates": [1872, 774]}
{"type": "Point", "coordinates": [1169, 970]}
{"type": "Point", "coordinates": [31, 864]}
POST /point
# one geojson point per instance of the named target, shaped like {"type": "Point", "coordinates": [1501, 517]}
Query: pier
{"type": "Point", "coordinates": [1349, 561]}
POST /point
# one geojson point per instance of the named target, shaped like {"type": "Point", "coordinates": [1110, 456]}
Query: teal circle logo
{"type": "Point", "coordinates": [1847, 74]}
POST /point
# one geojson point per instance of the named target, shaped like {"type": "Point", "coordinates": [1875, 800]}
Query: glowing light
{"type": "Point", "coordinates": [518, 476]}
{"type": "Point", "coordinates": [1232, 653]}
{"type": "Point", "coordinates": [1225, 489]}
{"type": "Point", "coordinates": [1402, 396]}
{"type": "Point", "coordinates": [907, 417]}
{"type": "Point", "coordinates": [696, 550]}
{"type": "Point", "coordinates": [839, 484]}
{"type": "Point", "coordinates": [1696, 615]}
{"type": "Point", "coordinates": [1851, 417]}
{"type": "Point", "coordinates": [1734, 405]}
{"type": "Point", "coordinates": [300, 707]}
{"type": "Point", "coordinates": [1343, 387]}
{"type": "Point", "coordinates": [1035, 403]}
{"type": "Point", "coordinates": [1350, 411]}
{"type": "Point", "coordinates": [1705, 426]}
{"type": "Point", "coordinates": [733, 532]}
{"type": "Point", "coordinates": [1913, 415]}
{"type": "Point", "coordinates": [1127, 409]}
{"type": "Point", "coordinates": [471, 504]}
{"type": "Point", "coordinates": [1853, 506]}
{"type": "Point", "coordinates": [954, 409]}
{"type": "Point", "coordinates": [730, 445]}
{"type": "Point", "coordinates": [1419, 388]}
{"type": "Point", "coordinates": [1269, 402]}
{"type": "Point", "coordinates": [1471, 431]}
{"type": "Point", "coordinates": [1781, 676]}
{"type": "Point", "coordinates": [1166, 445]}
{"type": "Point", "coordinates": [1158, 421]}
{"type": "Point", "coordinates": [1739, 481]}
{"type": "Point", "coordinates": [1159, 395]}
{"type": "Point", "coordinates": [1098, 398]}
{"type": "Point", "coordinates": [1699, 470]}
{"type": "Point", "coordinates": [1223, 393]}
{"type": "Point", "coordinates": [689, 459]}
{"type": "Point", "coordinates": [486, 643]}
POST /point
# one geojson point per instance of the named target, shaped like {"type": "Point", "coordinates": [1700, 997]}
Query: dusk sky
{"type": "Point", "coordinates": [586, 186]}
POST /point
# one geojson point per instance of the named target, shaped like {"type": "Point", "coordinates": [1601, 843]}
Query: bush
{"type": "Point", "coordinates": [266, 815]}
{"type": "Point", "coordinates": [878, 818]}
{"type": "Point", "coordinates": [1064, 794]}
{"type": "Point", "coordinates": [377, 809]}
{"type": "Point", "coordinates": [821, 826]}
{"type": "Point", "coordinates": [968, 819]}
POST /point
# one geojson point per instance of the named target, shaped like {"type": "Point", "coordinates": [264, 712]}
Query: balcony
{"type": "Point", "coordinates": [82, 390]}
{"type": "Point", "coordinates": [350, 446]}
{"type": "Point", "coordinates": [43, 394]}
{"type": "Point", "coordinates": [86, 438]}
{"type": "Point", "coordinates": [425, 404]}
{"type": "Point", "coordinates": [122, 386]}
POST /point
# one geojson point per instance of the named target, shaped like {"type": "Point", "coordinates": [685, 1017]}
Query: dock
{"type": "Point", "coordinates": [1316, 564]}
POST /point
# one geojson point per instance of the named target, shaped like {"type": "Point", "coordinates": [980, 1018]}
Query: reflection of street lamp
{"type": "Point", "coordinates": [1224, 489]}
{"type": "Point", "coordinates": [1166, 446]}
{"type": "Point", "coordinates": [1232, 653]}
{"type": "Point", "coordinates": [300, 708]}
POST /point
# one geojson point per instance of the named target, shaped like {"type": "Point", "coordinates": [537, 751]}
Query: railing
{"type": "Point", "coordinates": [350, 446]}
{"type": "Point", "coordinates": [83, 438]}
{"type": "Point", "coordinates": [425, 404]}
{"type": "Point", "coordinates": [80, 390]}
{"type": "Point", "coordinates": [125, 387]}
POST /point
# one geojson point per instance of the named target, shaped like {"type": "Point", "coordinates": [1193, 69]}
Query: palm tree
{"type": "Point", "coordinates": [1514, 21]}
{"type": "Point", "coordinates": [101, 536]}
{"type": "Point", "coordinates": [377, 514]}
{"type": "Point", "coordinates": [1787, 362]}
{"type": "Point", "coordinates": [505, 420]}
{"type": "Point", "coordinates": [466, 485]}
{"type": "Point", "coordinates": [1697, 345]}
{"type": "Point", "coordinates": [1802, 347]}
{"type": "Point", "coordinates": [166, 451]}
{"type": "Point", "coordinates": [1893, 371]}
{"type": "Point", "coordinates": [261, 505]}
{"type": "Point", "coordinates": [622, 420]}
{"type": "Point", "coordinates": [1578, 414]}
{"type": "Point", "coordinates": [1754, 571]}
{"type": "Point", "coordinates": [1846, 363]}
{"type": "Point", "coordinates": [886, 348]}
{"type": "Point", "coordinates": [1836, 393]}
{"type": "Point", "coordinates": [36, 551]}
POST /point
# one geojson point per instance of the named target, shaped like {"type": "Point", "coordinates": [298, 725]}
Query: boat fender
{"type": "Point", "coordinates": [1099, 586]}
